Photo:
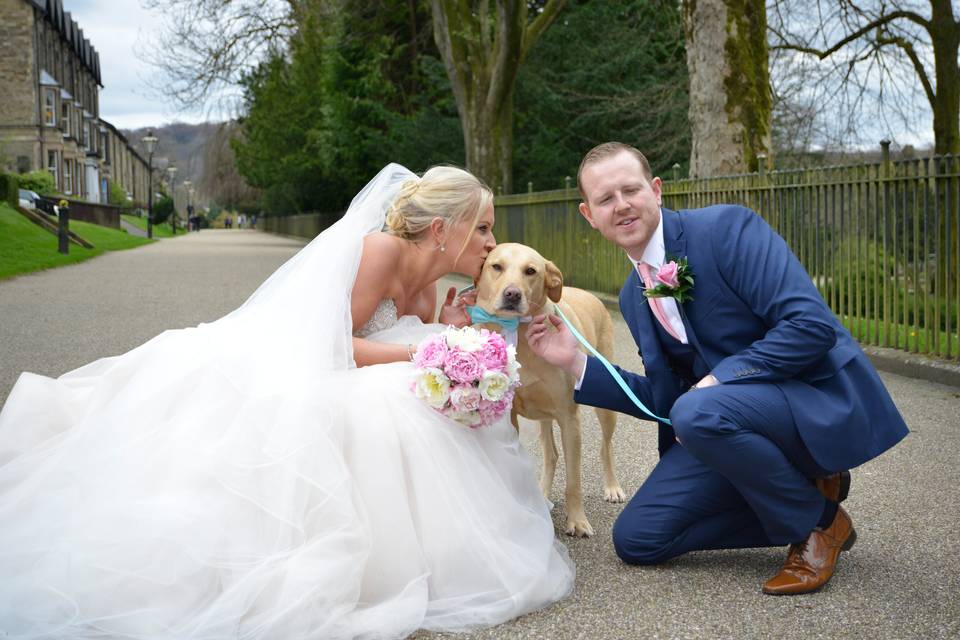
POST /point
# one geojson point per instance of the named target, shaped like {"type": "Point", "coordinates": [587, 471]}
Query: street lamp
{"type": "Point", "coordinates": [150, 142]}
{"type": "Point", "coordinates": [187, 187]}
{"type": "Point", "coordinates": [172, 172]}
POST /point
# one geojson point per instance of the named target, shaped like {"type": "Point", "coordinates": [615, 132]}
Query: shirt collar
{"type": "Point", "coordinates": [655, 252]}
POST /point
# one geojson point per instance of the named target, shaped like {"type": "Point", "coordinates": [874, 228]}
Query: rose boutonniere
{"type": "Point", "coordinates": [673, 280]}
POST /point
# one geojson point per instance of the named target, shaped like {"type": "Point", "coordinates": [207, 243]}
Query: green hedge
{"type": "Point", "coordinates": [40, 181]}
{"type": "Point", "coordinates": [9, 189]}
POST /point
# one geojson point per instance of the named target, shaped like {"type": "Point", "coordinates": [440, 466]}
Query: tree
{"type": "Point", "coordinates": [220, 181]}
{"type": "Point", "coordinates": [163, 209]}
{"type": "Point", "coordinates": [861, 33]}
{"type": "Point", "coordinates": [730, 99]}
{"type": "Point", "coordinates": [360, 86]}
{"type": "Point", "coordinates": [483, 44]}
{"type": "Point", "coordinates": [626, 82]}
{"type": "Point", "coordinates": [205, 47]}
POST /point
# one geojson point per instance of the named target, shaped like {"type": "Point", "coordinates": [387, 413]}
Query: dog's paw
{"type": "Point", "coordinates": [614, 494]}
{"type": "Point", "coordinates": [579, 527]}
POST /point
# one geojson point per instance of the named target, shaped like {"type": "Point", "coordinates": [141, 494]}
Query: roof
{"type": "Point", "coordinates": [72, 33]}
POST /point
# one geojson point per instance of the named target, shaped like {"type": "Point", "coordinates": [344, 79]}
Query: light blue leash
{"type": "Point", "coordinates": [613, 372]}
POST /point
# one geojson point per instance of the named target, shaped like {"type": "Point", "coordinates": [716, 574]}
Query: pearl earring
{"type": "Point", "coordinates": [442, 248]}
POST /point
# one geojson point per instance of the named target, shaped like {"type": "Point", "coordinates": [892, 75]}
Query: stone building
{"type": "Point", "coordinates": [49, 105]}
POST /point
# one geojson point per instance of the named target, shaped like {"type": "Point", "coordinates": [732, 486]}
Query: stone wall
{"type": "Point", "coordinates": [19, 110]}
{"type": "Point", "coordinates": [105, 215]}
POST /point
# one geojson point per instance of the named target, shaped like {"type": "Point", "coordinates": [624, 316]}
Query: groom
{"type": "Point", "coordinates": [771, 400]}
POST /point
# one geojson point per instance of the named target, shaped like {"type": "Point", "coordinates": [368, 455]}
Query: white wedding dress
{"type": "Point", "coordinates": [242, 479]}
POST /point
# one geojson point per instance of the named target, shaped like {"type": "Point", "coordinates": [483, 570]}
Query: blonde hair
{"type": "Point", "coordinates": [449, 193]}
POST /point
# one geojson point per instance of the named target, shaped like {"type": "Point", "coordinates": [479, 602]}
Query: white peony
{"type": "Point", "coordinates": [433, 387]}
{"type": "Point", "coordinates": [513, 365]}
{"type": "Point", "coordinates": [466, 339]}
{"type": "Point", "coordinates": [494, 385]}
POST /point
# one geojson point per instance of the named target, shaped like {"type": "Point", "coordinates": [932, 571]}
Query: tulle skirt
{"type": "Point", "coordinates": [156, 495]}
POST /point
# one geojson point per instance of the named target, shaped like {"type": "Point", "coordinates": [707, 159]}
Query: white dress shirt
{"type": "Point", "coordinates": [655, 255]}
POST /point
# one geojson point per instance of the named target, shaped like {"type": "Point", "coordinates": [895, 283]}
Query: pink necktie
{"type": "Point", "coordinates": [655, 304]}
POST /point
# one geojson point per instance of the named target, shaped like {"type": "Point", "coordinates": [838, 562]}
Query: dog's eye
{"type": "Point", "coordinates": [496, 267]}
{"type": "Point", "coordinates": [530, 271]}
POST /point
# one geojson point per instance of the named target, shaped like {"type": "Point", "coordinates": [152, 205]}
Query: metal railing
{"type": "Point", "coordinates": [879, 240]}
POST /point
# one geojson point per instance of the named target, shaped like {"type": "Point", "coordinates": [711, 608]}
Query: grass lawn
{"type": "Point", "coordinates": [923, 340]}
{"type": "Point", "coordinates": [25, 247]}
{"type": "Point", "coordinates": [159, 230]}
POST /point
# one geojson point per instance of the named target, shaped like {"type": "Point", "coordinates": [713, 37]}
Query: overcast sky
{"type": "Point", "coordinates": [115, 28]}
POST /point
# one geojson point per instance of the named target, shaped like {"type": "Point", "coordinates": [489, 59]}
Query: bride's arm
{"type": "Point", "coordinates": [378, 264]}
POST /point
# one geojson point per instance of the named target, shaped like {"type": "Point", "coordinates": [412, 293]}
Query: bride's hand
{"type": "Point", "coordinates": [453, 310]}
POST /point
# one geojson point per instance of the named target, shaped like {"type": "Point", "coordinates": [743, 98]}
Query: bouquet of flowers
{"type": "Point", "coordinates": [468, 375]}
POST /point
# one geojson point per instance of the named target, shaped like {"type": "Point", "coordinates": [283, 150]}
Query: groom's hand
{"type": "Point", "coordinates": [556, 345]}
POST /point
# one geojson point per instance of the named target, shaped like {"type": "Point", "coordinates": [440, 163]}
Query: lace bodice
{"type": "Point", "coordinates": [384, 317]}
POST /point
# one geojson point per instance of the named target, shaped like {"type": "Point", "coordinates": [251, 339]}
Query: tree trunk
{"type": "Point", "coordinates": [730, 98]}
{"type": "Point", "coordinates": [482, 50]}
{"type": "Point", "coordinates": [945, 37]}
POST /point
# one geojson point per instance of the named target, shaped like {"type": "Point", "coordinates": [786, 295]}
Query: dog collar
{"type": "Point", "coordinates": [510, 325]}
{"type": "Point", "coordinates": [482, 316]}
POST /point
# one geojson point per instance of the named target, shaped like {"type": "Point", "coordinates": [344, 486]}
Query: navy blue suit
{"type": "Point", "coordinates": [798, 399]}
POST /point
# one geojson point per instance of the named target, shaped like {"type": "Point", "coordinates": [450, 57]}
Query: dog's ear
{"type": "Point", "coordinates": [553, 281]}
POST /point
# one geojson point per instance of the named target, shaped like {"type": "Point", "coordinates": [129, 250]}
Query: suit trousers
{"type": "Point", "coordinates": [740, 477]}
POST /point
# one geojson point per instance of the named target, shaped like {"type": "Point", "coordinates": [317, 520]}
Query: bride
{"type": "Point", "coordinates": [255, 477]}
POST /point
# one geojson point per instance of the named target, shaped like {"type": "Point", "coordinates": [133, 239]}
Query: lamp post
{"type": "Point", "coordinates": [150, 142]}
{"type": "Point", "coordinates": [188, 187]}
{"type": "Point", "coordinates": [172, 172]}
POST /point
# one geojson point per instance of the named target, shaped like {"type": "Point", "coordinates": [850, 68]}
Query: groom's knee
{"type": "Point", "coordinates": [639, 545]}
{"type": "Point", "coordinates": [697, 414]}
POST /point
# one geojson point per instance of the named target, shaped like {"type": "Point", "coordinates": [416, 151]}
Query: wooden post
{"type": "Point", "coordinates": [63, 217]}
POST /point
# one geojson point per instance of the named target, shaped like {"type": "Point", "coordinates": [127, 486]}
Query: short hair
{"type": "Point", "coordinates": [606, 150]}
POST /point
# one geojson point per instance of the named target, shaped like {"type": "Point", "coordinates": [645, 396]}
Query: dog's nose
{"type": "Point", "coordinates": [512, 296]}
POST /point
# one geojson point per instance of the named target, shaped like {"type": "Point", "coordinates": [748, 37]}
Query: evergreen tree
{"type": "Point", "coordinates": [603, 71]}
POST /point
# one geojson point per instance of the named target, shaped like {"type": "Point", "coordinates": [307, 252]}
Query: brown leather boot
{"type": "Point", "coordinates": [834, 487]}
{"type": "Point", "coordinates": [810, 563]}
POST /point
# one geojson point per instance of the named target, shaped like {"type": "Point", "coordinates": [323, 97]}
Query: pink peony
{"type": "Point", "coordinates": [493, 411]}
{"type": "Point", "coordinates": [493, 354]}
{"type": "Point", "coordinates": [462, 366]}
{"type": "Point", "coordinates": [431, 353]}
{"type": "Point", "coordinates": [667, 275]}
{"type": "Point", "coordinates": [465, 398]}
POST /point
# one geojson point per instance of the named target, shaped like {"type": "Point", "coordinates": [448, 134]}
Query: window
{"type": "Point", "coordinates": [68, 177]}
{"type": "Point", "coordinates": [53, 166]}
{"type": "Point", "coordinates": [50, 107]}
{"type": "Point", "coordinates": [65, 118]}
{"type": "Point", "coordinates": [86, 135]}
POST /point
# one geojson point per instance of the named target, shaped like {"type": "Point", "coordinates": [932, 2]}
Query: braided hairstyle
{"type": "Point", "coordinates": [445, 192]}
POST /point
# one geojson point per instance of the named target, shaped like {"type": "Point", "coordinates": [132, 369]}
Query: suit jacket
{"type": "Point", "coordinates": [755, 317]}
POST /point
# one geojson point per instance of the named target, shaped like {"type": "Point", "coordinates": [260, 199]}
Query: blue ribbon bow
{"type": "Point", "coordinates": [480, 316]}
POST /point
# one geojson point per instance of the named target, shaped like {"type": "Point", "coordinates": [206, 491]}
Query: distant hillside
{"type": "Point", "coordinates": [179, 144]}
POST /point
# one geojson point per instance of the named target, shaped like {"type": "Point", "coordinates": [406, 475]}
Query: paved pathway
{"type": "Point", "coordinates": [132, 229]}
{"type": "Point", "coordinates": [901, 580]}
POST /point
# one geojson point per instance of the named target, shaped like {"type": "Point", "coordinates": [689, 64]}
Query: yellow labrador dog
{"type": "Point", "coordinates": [516, 281]}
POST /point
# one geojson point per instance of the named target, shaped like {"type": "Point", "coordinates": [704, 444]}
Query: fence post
{"type": "Point", "coordinates": [885, 215]}
{"type": "Point", "coordinates": [529, 187]}
{"type": "Point", "coordinates": [566, 182]}
{"type": "Point", "coordinates": [676, 171]}
{"type": "Point", "coordinates": [63, 237]}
